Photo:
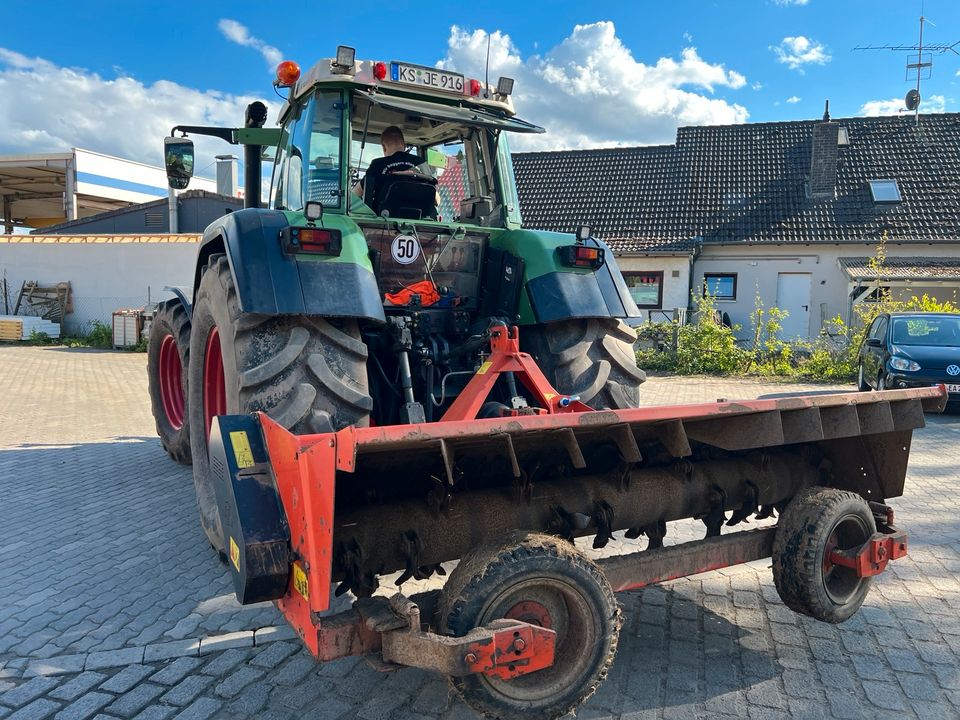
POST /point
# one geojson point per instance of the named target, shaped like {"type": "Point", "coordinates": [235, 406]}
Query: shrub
{"type": "Point", "coordinates": [100, 335]}
{"type": "Point", "coordinates": [707, 346]}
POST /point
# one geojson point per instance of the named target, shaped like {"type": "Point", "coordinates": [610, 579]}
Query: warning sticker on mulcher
{"type": "Point", "coordinates": [241, 449]}
{"type": "Point", "coordinates": [235, 554]}
{"type": "Point", "coordinates": [300, 581]}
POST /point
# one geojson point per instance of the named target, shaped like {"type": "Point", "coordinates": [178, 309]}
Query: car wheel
{"type": "Point", "coordinates": [881, 382]}
{"type": "Point", "coordinates": [862, 384]}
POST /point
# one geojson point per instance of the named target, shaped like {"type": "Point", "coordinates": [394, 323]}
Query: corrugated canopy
{"type": "Point", "coordinates": [902, 268]}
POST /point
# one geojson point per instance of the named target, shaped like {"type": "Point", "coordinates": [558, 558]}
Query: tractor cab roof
{"type": "Point", "coordinates": [429, 86]}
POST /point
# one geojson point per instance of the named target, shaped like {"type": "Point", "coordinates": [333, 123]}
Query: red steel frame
{"type": "Point", "coordinates": [305, 468]}
{"type": "Point", "coordinates": [505, 356]}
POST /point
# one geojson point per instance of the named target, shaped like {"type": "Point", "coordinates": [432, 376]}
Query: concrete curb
{"type": "Point", "coordinates": [154, 652]}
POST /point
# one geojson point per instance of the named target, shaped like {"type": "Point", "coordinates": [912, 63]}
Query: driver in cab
{"type": "Point", "coordinates": [395, 159]}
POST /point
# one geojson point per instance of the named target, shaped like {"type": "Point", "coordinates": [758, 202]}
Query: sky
{"type": "Point", "coordinates": [114, 77]}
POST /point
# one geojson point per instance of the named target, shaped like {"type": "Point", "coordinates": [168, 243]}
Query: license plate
{"type": "Point", "coordinates": [953, 388]}
{"type": "Point", "coordinates": [426, 77]}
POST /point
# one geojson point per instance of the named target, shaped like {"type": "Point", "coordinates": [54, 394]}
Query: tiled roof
{"type": "Point", "coordinates": [620, 192]}
{"type": "Point", "coordinates": [749, 184]}
{"type": "Point", "coordinates": [903, 268]}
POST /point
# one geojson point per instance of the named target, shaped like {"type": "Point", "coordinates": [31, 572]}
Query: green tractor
{"type": "Point", "coordinates": [328, 307]}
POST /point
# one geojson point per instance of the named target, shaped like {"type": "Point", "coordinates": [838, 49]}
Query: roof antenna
{"type": "Point", "coordinates": [826, 111]}
{"type": "Point", "coordinates": [921, 64]}
{"type": "Point", "coordinates": [486, 72]}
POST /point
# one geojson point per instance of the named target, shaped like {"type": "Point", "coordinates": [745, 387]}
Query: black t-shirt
{"type": "Point", "coordinates": [400, 160]}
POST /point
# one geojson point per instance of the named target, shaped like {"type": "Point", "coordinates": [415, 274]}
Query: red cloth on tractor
{"type": "Point", "coordinates": [425, 289]}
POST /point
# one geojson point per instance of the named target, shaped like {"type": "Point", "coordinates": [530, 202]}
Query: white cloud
{"type": "Point", "coordinates": [793, 99]}
{"type": "Point", "coordinates": [795, 52]}
{"type": "Point", "coordinates": [48, 108]}
{"type": "Point", "coordinates": [875, 108]}
{"type": "Point", "coordinates": [791, 2]}
{"type": "Point", "coordinates": [239, 34]}
{"type": "Point", "coordinates": [589, 91]}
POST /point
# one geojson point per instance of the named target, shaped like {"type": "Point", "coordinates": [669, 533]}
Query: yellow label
{"type": "Point", "coordinates": [300, 581]}
{"type": "Point", "coordinates": [235, 554]}
{"type": "Point", "coordinates": [483, 368]}
{"type": "Point", "coordinates": [241, 449]}
{"type": "Point", "coordinates": [548, 396]}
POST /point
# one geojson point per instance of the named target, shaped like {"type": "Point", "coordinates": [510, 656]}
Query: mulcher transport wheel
{"type": "Point", "coordinates": [168, 357]}
{"type": "Point", "coordinates": [307, 373]}
{"type": "Point", "coordinates": [593, 359]}
{"type": "Point", "coordinates": [817, 521]}
{"type": "Point", "coordinates": [545, 581]}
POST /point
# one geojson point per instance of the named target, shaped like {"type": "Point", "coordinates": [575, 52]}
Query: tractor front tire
{"type": "Point", "coordinates": [545, 581]}
{"type": "Point", "coordinates": [589, 358]}
{"type": "Point", "coordinates": [168, 357]}
{"type": "Point", "coordinates": [309, 374]}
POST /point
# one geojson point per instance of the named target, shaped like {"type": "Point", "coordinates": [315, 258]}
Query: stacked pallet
{"type": "Point", "coordinates": [21, 327]}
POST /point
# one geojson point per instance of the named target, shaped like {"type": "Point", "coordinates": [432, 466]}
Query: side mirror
{"type": "Point", "coordinates": [874, 342]}
{"type": "Point", "coordinates": [178, 158]}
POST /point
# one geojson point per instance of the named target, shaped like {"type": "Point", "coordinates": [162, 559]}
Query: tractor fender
{"type": "Point", "coordinates": [271, 282]}
{"type": "Point", "coordinates": [553, 291]}
{"type": "Point", "coordinates": [181, 297]}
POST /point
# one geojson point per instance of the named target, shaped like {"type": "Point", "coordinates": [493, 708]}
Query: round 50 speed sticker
{"type": "Point", "coordinates": [405, 249]}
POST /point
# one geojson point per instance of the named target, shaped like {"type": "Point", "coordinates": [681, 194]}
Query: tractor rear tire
{"type": "Point", "coordinates": [592, 358]}
{"type": "Point", "coordinates": [817, 520]}
{"type": "Point", "coordinates": [309, 374]}
{"type": "Point", "coordinates": [545, 581]}
{"type": "Point", "coordinates": [168, 357]}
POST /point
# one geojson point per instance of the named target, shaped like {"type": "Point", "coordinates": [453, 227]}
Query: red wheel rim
{"type": "Point", "coordinates": [171, 382]}
{"type": "Point", "coordinates": [214, 389]}
{"type": "Point", "coordinates": [530, 611]}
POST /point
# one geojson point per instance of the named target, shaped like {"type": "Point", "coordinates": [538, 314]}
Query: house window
{"type": "Point", "coordinates": [722, 286]}
{"type": "Point", "coordinates": [885, 191]}
{"type": "Point", "coordinates": [646, 288]}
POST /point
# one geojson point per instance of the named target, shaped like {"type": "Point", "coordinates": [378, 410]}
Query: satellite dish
{"type": "Point", "coordinates": [912, 100]}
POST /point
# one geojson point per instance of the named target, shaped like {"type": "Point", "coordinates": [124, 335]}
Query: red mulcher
{"type": "Point", "coordinates": [527, 626]}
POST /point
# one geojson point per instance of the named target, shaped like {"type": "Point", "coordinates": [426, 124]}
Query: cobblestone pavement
{"type": "Point", "coordinates": [113, 606]}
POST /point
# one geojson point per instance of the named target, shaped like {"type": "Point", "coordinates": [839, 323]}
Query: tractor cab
{"type": "Point", "coordinates": [454, 126]}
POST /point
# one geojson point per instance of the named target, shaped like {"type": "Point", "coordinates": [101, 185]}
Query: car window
{"type": "Point", "coordinates": [879, 329]}
{"type": "Point", "coordinates": [928, 331]}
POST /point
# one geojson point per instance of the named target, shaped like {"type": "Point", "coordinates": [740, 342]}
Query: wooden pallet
{"type": "Point", "coordinates": [11, 329]}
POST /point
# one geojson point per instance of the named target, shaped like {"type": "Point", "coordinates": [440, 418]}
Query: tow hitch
{"type": "Point", "coordinates": [871, 558]}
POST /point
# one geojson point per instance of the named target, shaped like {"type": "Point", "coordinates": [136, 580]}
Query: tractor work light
{"type": "Point", "coordinates": [288, 72]}
{"type": "Point", "coordinates": [316, 241]}
{"type": "Point", "coordinates": [584, 233]}
{"type": "Point", "coordinates": [504, 86]}
{"type": "Point", "coordinates": [581, 256]}
{"type": "Point", "coordinates": [313, 210]}
{"type": "Point", "coordinates": [346, 56]}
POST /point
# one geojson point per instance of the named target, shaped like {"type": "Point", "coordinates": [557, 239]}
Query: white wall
{"type": "Point", "coordinates": [104, 275]}
{"type": "Point", "coordinates": [676, 280]}
{"type": "Point", "coordinates": [758, 266]}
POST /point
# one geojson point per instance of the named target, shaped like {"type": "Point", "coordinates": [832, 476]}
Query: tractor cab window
{"type": "Point", "coordinates": [308, 166]}
{"type": "Point", "coordinates": [458, 160]}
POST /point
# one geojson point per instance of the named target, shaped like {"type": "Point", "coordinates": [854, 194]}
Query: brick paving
{"type": "Point", "coordinates": [113, 606]}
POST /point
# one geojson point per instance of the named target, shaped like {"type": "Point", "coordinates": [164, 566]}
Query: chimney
{"type": "Point", "coordinates": [227, 175]}
{"type": "Point", "coordinates": [823, 157]}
